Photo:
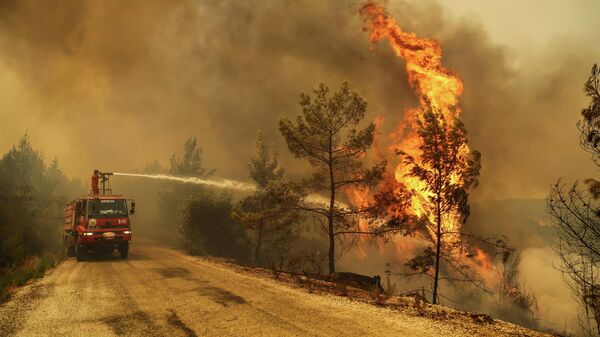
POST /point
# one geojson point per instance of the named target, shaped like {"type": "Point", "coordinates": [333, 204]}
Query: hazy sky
{"type": "Point", "coordinates": [99, 84]}
{"type": "Point", "coordinates": [531, 23]}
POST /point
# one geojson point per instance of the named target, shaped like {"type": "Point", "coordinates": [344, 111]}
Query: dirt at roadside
{"type": "Point", "coordinates": [479, 324]}
{"type": "Point", "coordinates": [164, 292]}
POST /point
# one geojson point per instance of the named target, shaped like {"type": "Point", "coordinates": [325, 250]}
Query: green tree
{"type": "Point", "coordinates": [326, 136]}
{"type": "Point", "coordinates": [32, 196]}
{"type": "Point", "coordinates": [447, 173]}
{"type": "Point", "coordinates": [269, 212]}
{"type": "Point", "coordinates": [263, 166]}
{"type": "Point", "coordinates": [190, 164]}
{"type": "Point", "coordinates": [22, 170]}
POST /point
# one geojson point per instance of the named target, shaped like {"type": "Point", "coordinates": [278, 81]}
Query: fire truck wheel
{"type": "Point", "coordinates": [80, 253]}
{"type": "Point", "coordinates": [124, 250]}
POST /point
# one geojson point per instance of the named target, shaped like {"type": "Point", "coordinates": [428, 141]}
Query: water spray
{"type": "Point", "coordinates": [221, 183]}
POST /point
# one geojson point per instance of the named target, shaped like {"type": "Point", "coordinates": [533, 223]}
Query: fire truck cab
{"type": "Point", "coordinates": [98, 222]}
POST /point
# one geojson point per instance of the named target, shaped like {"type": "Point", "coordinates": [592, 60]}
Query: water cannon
{"type": "Point", "coordinates": [101, 182]}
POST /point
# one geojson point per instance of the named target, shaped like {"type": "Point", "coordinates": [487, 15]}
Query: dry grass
{"type": "Point", "coordinates": [31, 268]}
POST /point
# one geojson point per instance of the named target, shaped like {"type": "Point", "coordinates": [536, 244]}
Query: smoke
{"type": "Point", "coordinates": [558, 307]}
{"type": "Point", "coordinates": [107, 85]}
{"type": "Point", "coordinates": [114, 84]}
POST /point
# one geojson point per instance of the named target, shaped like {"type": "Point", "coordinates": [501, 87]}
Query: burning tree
{"type": "Point", "coordinates": [325, 134]}
{"type": "Point", "coordinates": [446, 171]}
{"type": "Point", "coordinates": [576, 216]}
{"type": "Point", "coordinates": [516, 302]}
{"type": "Point", "coordinates": [438, 168]}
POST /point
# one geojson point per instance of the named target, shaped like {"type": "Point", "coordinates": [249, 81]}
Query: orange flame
{"type": "Point", "coordinates": [484, 266]}
{"type": "Point", "coordinates": [432, 83]}
{"type": "Point", "coordinates": [482, 258]}
{"type": "Point", "coordinates": [438, 88]}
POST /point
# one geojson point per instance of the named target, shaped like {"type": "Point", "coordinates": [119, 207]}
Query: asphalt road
{"type": "Point", "coordinates": [163, 292]}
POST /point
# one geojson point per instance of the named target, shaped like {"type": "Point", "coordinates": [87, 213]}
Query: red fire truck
{"type": "Point", "coordinates": [99, 222]}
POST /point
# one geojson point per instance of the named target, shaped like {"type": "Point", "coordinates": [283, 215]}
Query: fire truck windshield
{"type": "Point", "coordinates": [107, 208]}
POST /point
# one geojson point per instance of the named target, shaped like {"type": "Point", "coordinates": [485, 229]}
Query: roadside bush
{"type": "Point", "coordinates": [208, 227]}
{"type": "Point", "coordinates": [31, 268]}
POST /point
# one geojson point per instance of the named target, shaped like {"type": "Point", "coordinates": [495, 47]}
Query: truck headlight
{"type": "Point", "coordinates": [126, 232]}
{"type": "Point", "coordinates": [88, 233]}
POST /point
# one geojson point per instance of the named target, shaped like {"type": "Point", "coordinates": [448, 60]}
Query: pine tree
{"type": "Point", "coordinates": [190, 164]}
{"type": "Point", "coordinates": [264, 167]}
{"type": "Point", "coordinates": [448, 171]}
{"type": "Point", "coordinates": [268, 213]}
{"type": "Point", "coordinates": [326, 136]}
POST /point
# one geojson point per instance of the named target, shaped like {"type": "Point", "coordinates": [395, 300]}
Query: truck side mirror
{"type": "Point", "coordinates": [132, 209]}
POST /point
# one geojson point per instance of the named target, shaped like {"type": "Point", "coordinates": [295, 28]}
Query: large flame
{"type": "Point", "coordinates": [434, 85]}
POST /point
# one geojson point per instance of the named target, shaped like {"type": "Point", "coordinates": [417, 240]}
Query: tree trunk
{"type": "Point", "coordinates": [331, 248]}
{"type": "Point", "coordinates": [259, 235]}
{"type": "Point", "coordinates": [331, 228]}
{"type": "Point", "coordinates": [437, 251]}
{"type": "Point", "coordinates": [331, 207]}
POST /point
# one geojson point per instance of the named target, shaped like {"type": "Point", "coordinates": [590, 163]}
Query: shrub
{"type": "Point", "coordinates": [208, 227]}
{"type": "Point", "coordinates": [32, 267]}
